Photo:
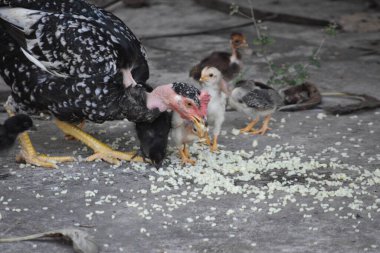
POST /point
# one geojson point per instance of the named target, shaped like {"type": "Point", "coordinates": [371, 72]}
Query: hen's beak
{"type": "Point", "coordinates": [200, 126]}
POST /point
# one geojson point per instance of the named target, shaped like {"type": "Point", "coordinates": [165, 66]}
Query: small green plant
{"type": "Point", "coordinates": [283, 74]}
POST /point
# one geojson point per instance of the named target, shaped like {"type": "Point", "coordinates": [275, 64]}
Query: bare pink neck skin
{"type": "Point", "coordinates": [160, 98]}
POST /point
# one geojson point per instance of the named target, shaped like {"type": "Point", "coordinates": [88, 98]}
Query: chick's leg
{"type": "Point", "coordinates": [249, 127]}
{"type": "Point", "coordinates": [207, 139]}
{"type": "Point", "coordinates": [214, 146]}
{"type": "Point", "coordinates": [185, 155]}
{"type": "Point", "coordinates": [265, 127]}
{"type": "Point", "coordinates": [101, 150]}
{"type": "Point", "coordinates": [29, 155]}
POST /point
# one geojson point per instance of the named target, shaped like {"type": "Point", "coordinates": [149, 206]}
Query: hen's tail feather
{"type": "Point", "coordinates": [13, 31]}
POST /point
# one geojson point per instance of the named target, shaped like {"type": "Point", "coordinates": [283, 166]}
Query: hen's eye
{"type": "Point", "coordinates": [211, 75]}
{"type": "Point", "coordinates": [189, 104]}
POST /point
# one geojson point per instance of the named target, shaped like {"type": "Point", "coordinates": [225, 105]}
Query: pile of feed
{"type": "Point", "coordinates": [276, 175]}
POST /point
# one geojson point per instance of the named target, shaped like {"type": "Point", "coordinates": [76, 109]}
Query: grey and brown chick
{"type": "Point", "coordinates": [255, 100]}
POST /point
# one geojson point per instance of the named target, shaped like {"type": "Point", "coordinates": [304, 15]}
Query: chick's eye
{"type": "Point", "coordinates": [211, 75]}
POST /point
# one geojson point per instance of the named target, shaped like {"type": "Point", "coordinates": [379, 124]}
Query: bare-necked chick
{"type": "Point", "coordinates": [212, 81]}
{"type": "Point", "coordinates": [11, 128]}
{"type": "Point", "coordinates": [230, 64]}
{"type": "Point", "coordinates": [185, 132]}
{"type": "Point", "coordinates": [255, 100]}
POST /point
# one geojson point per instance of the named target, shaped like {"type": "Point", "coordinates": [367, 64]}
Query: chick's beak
{"type": "Point", "coordinates": [203, 79]}
{"type": "Point", "coordinates": [200, 126]}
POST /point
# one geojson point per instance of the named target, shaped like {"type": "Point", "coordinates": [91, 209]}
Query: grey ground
{"type": "Point", "coordinates": [122, 210]}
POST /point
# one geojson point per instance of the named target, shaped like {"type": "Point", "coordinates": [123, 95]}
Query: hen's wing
{"type": "Point", "coordinates": [73, 38]}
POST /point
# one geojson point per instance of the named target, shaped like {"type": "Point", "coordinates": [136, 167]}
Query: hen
{"type": "Point", "coordinates": [79, 63]}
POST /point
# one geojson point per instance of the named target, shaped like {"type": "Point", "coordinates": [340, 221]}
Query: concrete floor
{"type": "Point", "coordinates": [310, 185]}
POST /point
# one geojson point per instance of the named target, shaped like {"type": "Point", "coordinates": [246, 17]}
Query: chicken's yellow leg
{"type": "Point", "coordinates": [214, 146]}
{"type": "Point", "coordinates": [101, 150]}
{"type": "Point", "coordinates": [185, 156]}
{"type": "Point", "coordinates": [80, 125]}
{"type": "Point", "coordinates": [29, 155]}
{"type": "Point", "coordinates": [249, 127]}
{"type": "Point", "coordinates": [265, 127]}
{"type": "Point", "coordinates": [207, 139]}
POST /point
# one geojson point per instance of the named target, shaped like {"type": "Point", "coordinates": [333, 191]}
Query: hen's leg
{"type": "Point", "coordinates": [29, 155]}
{"type": "Point", "coordinates": [101, 150]}
{"type": "Point", "coordinates": [81, 126]}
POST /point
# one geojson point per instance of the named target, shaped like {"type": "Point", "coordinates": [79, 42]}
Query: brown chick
{"type": "Point", "coordinates": [230, 64]}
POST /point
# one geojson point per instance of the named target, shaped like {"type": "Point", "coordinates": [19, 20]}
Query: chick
{"type": "Point", "coordinates": [230, 64]}
{"type": "Point", "coordinates": [255, 100]}
{"type": "Point", "coordinates": [183, 133]}
{"type": "Point", "coordinates": [11, 128]}
{"type": "Point", "coordinates": [153, 137]}
{"type": "Point", "coordinates": [213, 82]}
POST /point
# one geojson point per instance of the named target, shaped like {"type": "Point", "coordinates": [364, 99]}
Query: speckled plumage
{"type": "Point", "coordinates": [74, 38]}
{"type": "Point", "coordinates": [254, 97]}
{"type": "Point", "coordinates": [82, 48]}
{"type": "Point", "coordinates": [185, 90]}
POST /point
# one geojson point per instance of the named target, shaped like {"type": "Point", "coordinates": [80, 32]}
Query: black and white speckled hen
{"type": "Point", "coordinates": [79, 63]}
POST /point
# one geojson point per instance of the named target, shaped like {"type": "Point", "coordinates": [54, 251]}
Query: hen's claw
{"type": "Point", "coordinates": [29, 155]}
{"type": "Point", "coordinates": [101, 151]}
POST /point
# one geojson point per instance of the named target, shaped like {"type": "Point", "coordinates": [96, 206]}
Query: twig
{"type": "Point", "coordinates": [210, 31]}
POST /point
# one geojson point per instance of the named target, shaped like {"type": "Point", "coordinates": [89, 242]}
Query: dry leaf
{"type": "Point", "coordinates": [82, 241]}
